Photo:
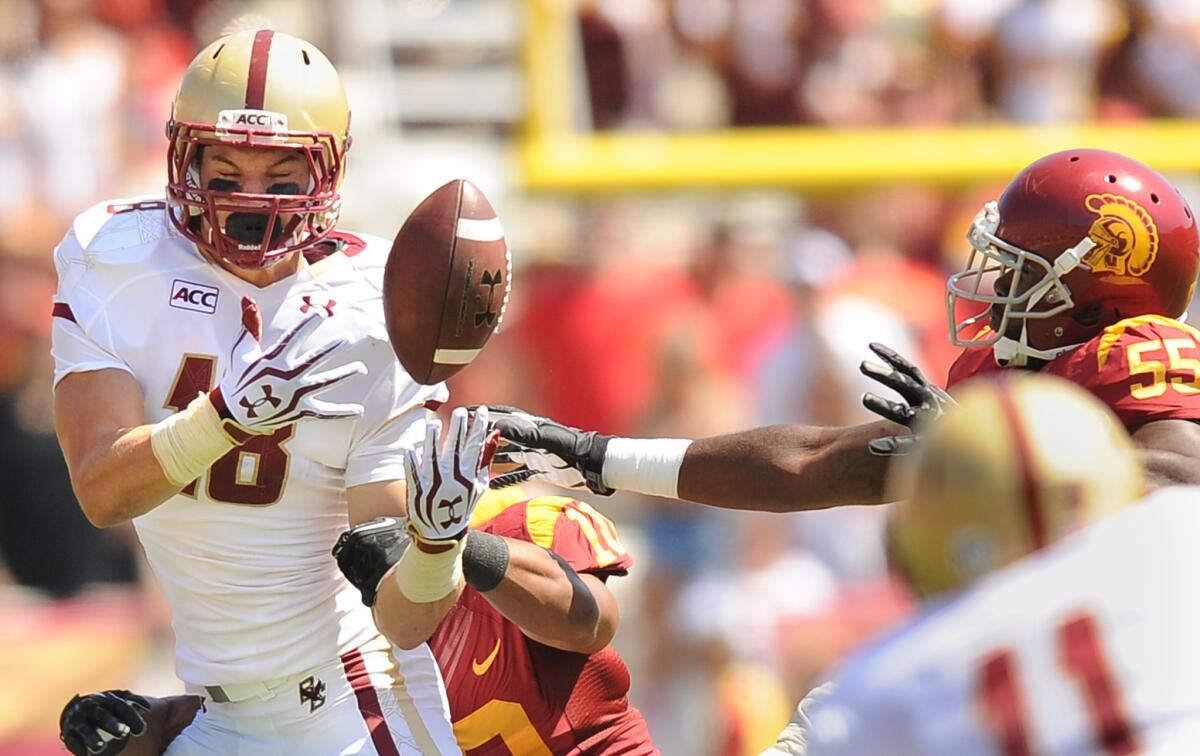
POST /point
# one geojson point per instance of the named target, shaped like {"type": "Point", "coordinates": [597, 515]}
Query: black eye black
{"type": "Point", "coordinates": [223, 185]}
{"type": "Point", "coordinates": [290, 187]}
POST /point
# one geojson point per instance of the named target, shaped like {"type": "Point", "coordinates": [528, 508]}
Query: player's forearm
{"type": "Point", "coordinates": [166, 719]}
{"type": "Point", "coordinates": [121, 479]}
{"type": "Point", "coordinates": [417, 592]}
{"type": "Point", "coordinates": [1170, 451]}
{"type": "Point", "coordinates": [547, 599]}
{"type": "Point", "coordinates": [786, 468]}
{"type": "Point", "coordinates": [1170, 469]}
{"type": "Point", "coordinates": [407, 623]}
{"type": "Point", "coordinates": [121, 468]}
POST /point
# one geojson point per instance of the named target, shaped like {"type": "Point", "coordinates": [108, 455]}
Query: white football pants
{"type": "Point", "coordinates": [376, 700]}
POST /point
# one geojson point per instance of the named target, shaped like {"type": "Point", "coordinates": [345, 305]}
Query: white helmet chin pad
{"type": "Point", "coordinates": [1017, 352]}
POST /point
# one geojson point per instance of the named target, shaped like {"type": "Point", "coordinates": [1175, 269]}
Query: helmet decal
{"type": "Point", "coordinates": [229, 122]}
{"type": "Point", "coordinates": [1031, 493]}
{"type": "Point", "coordinates": [256, 82]}
{"type": "Point", "coordinates": [1125, 235]}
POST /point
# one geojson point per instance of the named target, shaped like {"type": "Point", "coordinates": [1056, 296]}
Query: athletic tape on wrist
{"type": "Point", "coordinates": [485, 560]}
{"type": "Point", "coordinates": [188, 442]}
{"type": "Point", "coordinates": [645, 465]}
{"type": "Point", "coordinates": [423, 577]}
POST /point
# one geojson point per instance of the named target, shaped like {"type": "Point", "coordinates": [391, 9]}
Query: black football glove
{"type": "Point", "coordinates": [100, 724]}
{"type": "Point", "coordinates": [548, 451]}
{"type": "Point", "coordinates": [924, 402]}
{"type": "Point", "coordinates": [365, 553]}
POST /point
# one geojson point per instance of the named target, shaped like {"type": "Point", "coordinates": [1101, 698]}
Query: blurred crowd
{"type": "Point", "coordinates": [672, 315]}
{"type": "Point", "coordinates": [689, 64]}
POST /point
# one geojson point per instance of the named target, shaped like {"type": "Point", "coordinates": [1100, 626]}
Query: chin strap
{"type": "Point", "coordinates": [1017, 352]}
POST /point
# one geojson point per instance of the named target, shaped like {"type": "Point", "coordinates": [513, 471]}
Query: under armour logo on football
{"type": "Point", "coordinates": [488, 316]}
{"type": "Point", "coordinates": [268, 397]}
{"type": "Point", "coordinates": [448, 507]}
{"type": "Point", "coordinates": [312, 692]}
{"type": "Point", "coordinates": [309, 305]}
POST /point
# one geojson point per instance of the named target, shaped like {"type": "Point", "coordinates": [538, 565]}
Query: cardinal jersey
{"type": "Point", "coordinates": [1084, 648]}
{"type": "Point", "coordinates": [1145, 369]}
{"type": "Point", "coordinates": [512, 695]}
{"type": "Point", "coordinates": [242, 553]}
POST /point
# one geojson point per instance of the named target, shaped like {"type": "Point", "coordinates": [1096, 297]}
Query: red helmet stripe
{"type": "Point", "coordinates": [256, 85]}
{"type": "Point", "coordinates": [1033, 495]}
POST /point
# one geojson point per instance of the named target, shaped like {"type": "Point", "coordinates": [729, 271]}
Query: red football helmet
{"type": "Point", "coordinates": [1079, 240]}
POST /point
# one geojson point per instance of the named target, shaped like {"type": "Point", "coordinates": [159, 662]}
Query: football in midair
{"type": "Point", "coordinates": [446, 282]}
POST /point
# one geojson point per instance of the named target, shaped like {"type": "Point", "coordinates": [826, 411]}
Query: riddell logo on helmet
{"type": "Point", "coordinates": [186, 295]}
{"type": "Point", "coordinates": [1125, 235]}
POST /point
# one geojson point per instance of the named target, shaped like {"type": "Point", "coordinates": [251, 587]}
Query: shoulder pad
{"type": "Point", "coordinates": [117, 232]}
{"type": "Point", "coordinates": [495, 502]}
{"type": "Point", "coordinates": [1145, 368]}
{"type": "Point", "coordinates": [366, 252]}
{"type": "Point", "coordinates": [1139, 328]}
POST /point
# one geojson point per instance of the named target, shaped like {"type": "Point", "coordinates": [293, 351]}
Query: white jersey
{"type": "Point", "coordinates": [1091, 646]}
{"type": "Point", "coordinates": [243, 554]}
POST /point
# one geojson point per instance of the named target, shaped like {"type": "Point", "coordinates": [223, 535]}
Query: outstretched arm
{"type": "Point", "coordinates": [412, 588]}
{"type": "Point", "coordinates": [783, 468]}
{"type": "Point", "coordinates": [406, 619]}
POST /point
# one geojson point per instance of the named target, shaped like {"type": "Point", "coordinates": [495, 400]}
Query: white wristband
{"type": "Point", "coordinates": [645, 465]}
{"type": "Point", "coordinates": [423, 577]}
{"type": "Point", "coordinates": [188, 442]}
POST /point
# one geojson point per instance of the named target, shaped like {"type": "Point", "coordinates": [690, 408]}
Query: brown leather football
{"type": "Point", "coordinates": [446, 282]}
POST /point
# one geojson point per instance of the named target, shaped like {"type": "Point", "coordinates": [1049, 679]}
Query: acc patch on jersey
{"type": "Point", "coordinates": [188, 295]}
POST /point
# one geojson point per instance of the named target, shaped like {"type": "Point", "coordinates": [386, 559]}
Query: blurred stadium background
{"type": "Point", "coordinates": [714, 205]}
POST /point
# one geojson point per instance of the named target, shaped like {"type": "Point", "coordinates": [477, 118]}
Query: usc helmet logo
{"type": "Point", "coordinates": [1125, 235]}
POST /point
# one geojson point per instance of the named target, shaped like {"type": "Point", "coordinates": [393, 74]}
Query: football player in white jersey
{"type": "Point", "coordinates": [1066, 636]}
{"type": "Point", "coordinates": [223, 379]}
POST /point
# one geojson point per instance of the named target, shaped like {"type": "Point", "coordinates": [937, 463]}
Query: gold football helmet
{"type": "Point", "coordinates": [1017, 465]}
{"type": "Point", "coordinates": [263, 89]}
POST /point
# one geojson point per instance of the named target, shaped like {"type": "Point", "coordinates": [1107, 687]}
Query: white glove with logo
{"type": "Point", "coordinates": [264, 390]}
{"type": "Point", "coordinates": [445, 486]}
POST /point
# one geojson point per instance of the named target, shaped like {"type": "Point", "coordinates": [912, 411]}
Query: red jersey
{"type": "Point", "coordinates": [512, 695]}
{"type": "Point", "coordinates": [1144, 368]}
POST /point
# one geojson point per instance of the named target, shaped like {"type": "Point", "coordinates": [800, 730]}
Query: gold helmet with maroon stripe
{"type": "Point", "coordinates": [1018, 464]}
{"type": "Point", "coordinates": [264, 89]}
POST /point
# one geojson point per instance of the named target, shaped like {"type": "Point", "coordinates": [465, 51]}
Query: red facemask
{"type": "Point", "coordinates": [260, 229]}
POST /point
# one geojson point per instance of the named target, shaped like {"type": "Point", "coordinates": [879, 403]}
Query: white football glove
{"type": "Point", "coordinates": [264, 390]}
{"type": "Point", "coordinates": [445, 486]}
